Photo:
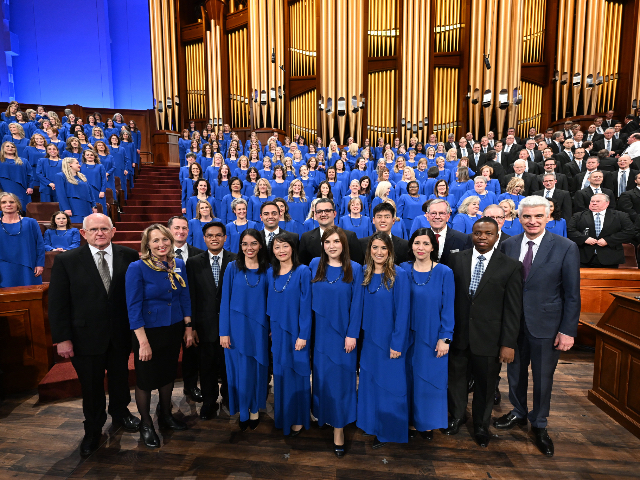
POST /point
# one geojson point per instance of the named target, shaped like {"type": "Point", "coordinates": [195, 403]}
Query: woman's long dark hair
{"type": "Point", "coordinates": [433, 256]}
{"type": "Point", "coordinates": [195, 187]}
{"type": "Point", "coordinates": [263, 257]}
{"type": "Point", "coordinates": [345, 259]}
{"type": "Point", "coordinates": [275, 263]}
{"type": "Point", "coordinates": [557, 214]}
{"type": "Point", "coordinates": [389, 271]}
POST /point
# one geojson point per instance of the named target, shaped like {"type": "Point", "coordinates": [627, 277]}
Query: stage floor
{"type": "Point", "coordinates": [41, 441]}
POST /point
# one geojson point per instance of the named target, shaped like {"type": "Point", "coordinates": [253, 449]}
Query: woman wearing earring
{"type": "Point", "coordinates": [355, 221]}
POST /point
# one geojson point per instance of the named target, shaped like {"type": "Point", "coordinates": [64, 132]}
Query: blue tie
{"type": "Point", "coordinates": [623, 183]}
{"type": "Point", "coordinates": [215, 268]}
{"type": "Point", "coordinates": [476, 276]}
{"type": "Point", "coordinates": [598, 224]}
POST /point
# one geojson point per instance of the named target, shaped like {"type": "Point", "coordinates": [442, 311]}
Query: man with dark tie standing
{"type": "Point", "coordinates": [487, 319]}
{"type": "Point", "coordinates": [270, 216]}
{"type": "Point", "coordinates": [205, 272]}
{"type": "Point", "coordinates": [551, 309]}
{"type": "Point", "coordinates": [89, 322]}
{"type": "Point", "coordinates": [449, 240]}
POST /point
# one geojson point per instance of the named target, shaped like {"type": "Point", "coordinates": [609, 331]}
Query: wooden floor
{"type": "Point", "coordinates": [41, 441]}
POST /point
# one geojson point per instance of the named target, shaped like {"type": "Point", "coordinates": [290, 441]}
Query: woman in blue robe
{"type": "Point", "coordinates": [136, 137]}
{"type": "Point", "coordinates": [512, 225]}
{"type": "Point", "coordinates": [410, 204]}
{"type": "Point", "coordinates": [337, 301]}
{"type": "Point", "coordinates": [96, 176]}
{"type": "Point", "coordinates": [110, 129]}
{"type": "Point", "coordinates": [75, 194]}
{"type": "Point", "coordinates": [15, 174]}
{"type": "Point", "coordinates": [17, 135]}
{"type": "Point", "coordinates": [60, 236]}
{"type": "Point", "coordinates": [355, 221]}
{"type": "Point", "coordinates": [48, 167]}
{"type": "Point", "coordinates": [279, 184]}
{"type": "Point", "coordinates": [22, 252]}
{"type": "Point", "coordinates": [297, 201]}
{"type": "Point", "coordinates": [121, 162]}
{"type": "Point", "coordinates": [556, 224]}
{"type": "Point", "coordinates": [467, 215]}
{"type": "Point", "coordinates": [201, 191]}
{"type": "Point", "coordinates": [126, 141]}
{"type": "Point", "coordinates": [226, 212]}
{"type": "Point", "coordinates": [383, 404]}
{"type": "Point", "coordinates": [184, 144]}
{"type": "Point", "coordinates": [35, 151]}
{"type": "Point", "coordinates": [244, 329]}
{"type": "Point", "coordinates": [107, 162]}
{"type": "Point", "coordinates": [220, 186]}
{"type": "Point", "coordinates": [426, 360]}
{"type": "Point", "coordinates": [189, 184]}
{"type": "Point", "coordinates": [204, 215]}
{"type": "Point", "coordinates": [289, 311]}
{"type": "Point", "coordinates": [239, 225]}
{"type": "Point", "coordinates": [260, 195]}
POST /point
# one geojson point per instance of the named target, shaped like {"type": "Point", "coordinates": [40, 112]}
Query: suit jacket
{"type": "Point", "coordinates": [481, 160]}
{"type": "Point", "coordinates": [81, 310]}
{"type": "Point", "coordinates": [532, 167]}
{"type": "Point", "coordinates": [192, 251]}
{"type": "Point", "coordinates": [454, 242]}
{"type": "Point", "coordinates": [511, 156]}
{"type": "Point", "coordinates": [469, 153]}
{"type": "Point", "coordinates": [205, 296]}
{"type": "Point", "coordinates": [449, 145]}
{"type": "Point", "coordinates": [530, 182]}
{"type": "Point", "coordinates": [617, 146]}
{"type": "Point", "coordinates": [555, 148]}
{"type": "Point", "coordinates": [582, 198]}
{"type": "Point", "coordinates": [571, 170]}
{"type": "Point", "coordinates": [630, 127]}
{"type": "Point", "coordinates": [293, 236]}
{"type": "Point", "coordinates": [311, 248]}
{"type": "Point", "coordinates": [491, 318]}
{"type": "Point", "coordinates": [563, 201]}
{"type": "Point", "coordinates": [616, 230]}
{"type": "Point", "coordinates": [596, 136]}
{"type": "Point", "coordinates": [576, 181]}
{"type": "Point", "coordinates": [551, 291]}
{"type": "Point", "coordinates": [612, 181]}
{"type": "Point", "coordinates": [609, 123]}
{"type": "Point", "coordinates": [563, 160]}
{"type": "Point", "coordinates": [629, 203]}
{"type": "Point", "coordinates": [562, 181]}
{"type": "Point", "coordinates": [503, 237]}
{"type": "Point", "coordinates": [498, 170]}
{"type": "Point", "coordinates": [400, 248]}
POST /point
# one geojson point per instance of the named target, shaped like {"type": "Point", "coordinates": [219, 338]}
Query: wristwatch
{"type": "Point", "coordinates": [188, 324]}
{"type": "Point", "coordinates": [446, 340]}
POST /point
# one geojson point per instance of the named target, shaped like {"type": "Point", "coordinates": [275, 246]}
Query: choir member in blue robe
{"type": "Point", "coordinates": [18, 137]}
{"type": "Point", "coordinates": [467, 215]}
{"type": "Point", "coordinates": [430, 331]}
{"type": "Point", "coordinates": [441, 191]}
{"type": "Point", "coordinates": [184, 143]}
{"type": "Point", "coordinates": [249, 184]}
{"type": "Point", "coordinates": [297, 201]}
{"type": "Point", "coordinates": [118, 121]}
{"type": "Point", "coordinates": [72, 148]}
{"type": "Point", "coordinates": [107, 162]}
{"type": "Point", "coordinates": [15, 174]}
{"type": "Point", "coordinates": [201, 191]}
{"type": "Point", "coordinates": [90, 125]}
{"type": "Point", "coordinates": [556, 224]}
{"type": "Point", "coordinates": [110, 129]}
{"type": "Point", "coordinates": [410, 204]}
{"type": "Point", "coordinates": [354, 187]}
{"type": "Point", "coordinates": [512, 225]}
{"type": "Point", "coordinates": [36, 150]}
{"type": "Point", "coordinates": [136, 136]}
{"type": "Point", "coordinates": [355, 221]}
{"type": "Point", "coordinates": [204, 215]}
{"type": "Point", "coordinates": [60, 236]}
{"type": "Point", "coordinates": [513, 192]}
{"type": "Point", "coordinates": [337, 302]}
{"type": "Point", "coordinates": [121, 162]}
{"type": "Point", "coordinates": [189, 184]}
{"type": "Point", "coordinates": [22, 252]}
{"type": "Point", "coordinates": [96, 176]}
{"type": "Point", "coordinates": [220, 186]}
{"type": "Point", "coordinates": [260, 195]}
{"type": "Point", "coordinates": [289, 311]}
{"type": "Point", "coordinates": [226, 212]}
{"type": "Point", "coordinates": [461, 185]}
{"type": "Point", "coordinates": [126, 142]}
{"type": "Point", "coordinates": [480, 190]}
{"type": "Point", "coordinates": [244, 329]}
{"type": "Point", "coordinates": [309, 184]}
{"type": "Point", "coordinates": [48, 167]}
{"type": "Point", "coordinates": [337, 188]}
{"type": "Point", "coordinates": [493, 184]}
{"type": "Point", "coordinates": [96, 135]}
{"type": "Point", "coordinates": [75, 194]}
{"type": "Point", "coordinates": [279, 184]}
{"type": "Point", "coordinates": [239, 225]}
{"type": "Point", "coordinates": [9, 115]}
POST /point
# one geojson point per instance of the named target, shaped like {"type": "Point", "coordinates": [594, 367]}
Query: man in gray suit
{"type": "Point", "coordinates": [551, 309]}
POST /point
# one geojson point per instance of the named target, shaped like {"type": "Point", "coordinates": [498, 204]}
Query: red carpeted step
{"type": "Point", "coordinates": [148, 203]}
{"type": "Point", "coordinates": [156, 209]}
{"type": "Point", "coordinates": [131, 244]}
{"type": "Point", "coordinates": [127, 236]}
{"type": "Point", "coordinates": [147, 217]}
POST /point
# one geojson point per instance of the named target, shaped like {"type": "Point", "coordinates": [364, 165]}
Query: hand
{"type": "Point", "coordinates": [133, 165]}
{"type": "Point", "coordinates": [184, 210]}
{"type": "Point", "coordinates": [52, 186]}
{"type": "Point", "coordinates": [196, 339]}
{"type": "Point", "coordinates": [602, 242]}
{"type": "Point", "coordinates": [145, 353]}
{"type": "Point", "coordinates": [349, 344]}
{"type": "Point", "coordinates": [58, 249]}
{"type": "Point", "coordinates": [65, 349]}
{"type": "Point", "coordinates": [126, 172]}
{"type": "Point", "coordinates": [95, 209]}
{"type": "Point", "coordinates": [138, 150]}
{"type": "Point", "coordinates": [507, 354]}
{"type": "Point", "coordinates": [563, 342]}
{"type": "Point", "coordinates": [107, 176]}
{"type": "Point", "coordinates": [442, 348]}
{"type": "Point", "coordinates": [188, 337]}
{"type": "Point", "coordinates": [300, 344]}
{"type": "Point", "coordinates": [590, 241]}
{"type": "Point", "coordinates": [101, 195]}
{"type": "Point", "coordinates": [29, 191]}
{"type": "Point", "coordinates": [394, 354]}
{"type": "Point", "coordinates": [225, 342]}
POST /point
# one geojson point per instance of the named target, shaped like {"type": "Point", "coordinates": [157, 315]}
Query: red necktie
{"type": "Point", "coordinates": [437, 237]}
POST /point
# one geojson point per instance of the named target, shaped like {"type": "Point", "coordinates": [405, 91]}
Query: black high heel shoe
{"type": "Point", "coordinates": [338, 450]}
{"type": "Point", "coordinates": [253, 424]}
{"type": "Point", "coordinates": [149, 436]}
{"type": "Point", "coordinates": [244, 425]}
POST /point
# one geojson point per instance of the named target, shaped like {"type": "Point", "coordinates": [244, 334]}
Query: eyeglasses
{"type": "Point", "coordinates": [252, 244]}
{"type": "Point", "coordinates": [496, 218]}
{"type": "Point", "coordinates": [322, 212]}
{"type": "Point", "coordinates": [210, 236]}
{"type": "Point", "coordinates": [438, 214]}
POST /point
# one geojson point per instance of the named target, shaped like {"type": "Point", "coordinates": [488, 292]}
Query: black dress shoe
{"type": "Point", "coordinates": [195, 394]}
{"type": "Point", "coordinates": [253, 424]}
{"type": "Point", "coordinates": [90, 443]}
{"type": "Point", "coordinates": [171, 422]}
{"type": "Point", "coordinates": [454, 426]}
{"type": "Point", "coordinates": [509, 421]}
{"type": "Point", "coordinates": [497, 397]}
{"type": "Point", "coordinates": [338, 450]}
{"type": "Point", "coordinates": [428, 435]}
{"type": "Point", "coordinates": [377, 443]}
{"type": "Point", "coordinates": [413, 433]}
{"type": "Point", "coordinates": [543, 441]}
{"type": "Point", "coordinates": [244, 425]}
{"type": "Point", "coordinates": [149, 436]}
{"type": "Point", "coordinates": [295, 433]}
{"type": "Point", "coordinates": [129, 423]}
{"type": "Point", "coordinates": [482, 436]}
{"type": "Point", "coordinates": [207, 412]}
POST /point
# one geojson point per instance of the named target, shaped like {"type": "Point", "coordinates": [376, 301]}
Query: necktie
{"type": "Point", "coordinates": [569, 154]}
{"type": "Point", "coordinates": [527, 261]}
{"type": "Point", "coordinates": [548, 194]}
{"type": "Point", "coordinates": [476, 276]}
{"type": "Point", "coordinates": [508, 148]}
{"type": "Point", "coordinates": [271, 235]}
{"type": "Point", "coordinates": [179, 254]}
{"type": "Point", "coordinates": [622, 185]}
{"type": "Point", "coordinates": [597, 190]}
{"type": "Point", "coordinates": [579, 162]}
{"type": "Point", "coordinates": [437, 238]}
{"type": "Point", "coordinates": [531, 156]}
{"type": "Point", "coordinates": [586, 180]}
{"type": "Point", "coordinates": [598, 224]}
{"type": "Point", "coordinates": [609, 145]}
{"type": "Point", "coordinates": [103, 269]}
{"type": "Point", "coordinates": [215, 268]}
{"type": "Point", "coordinates": [477, 156]}
{"type": "Point", "coordinates": [617, 136]}
{"type": "Point", "coordinates": [590, 137]}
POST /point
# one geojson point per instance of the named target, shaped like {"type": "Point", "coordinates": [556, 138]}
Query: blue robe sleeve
{"type": "Point", "coordinates": [63, 200]}
{"type": "Point", "coordinates": [448, 299]}
{"type": "Point", "coordinates": [47, 241]}
{"type": "Point", "coordinates": [305, 303]}
{"type": "Point", "coordinates": [29, 170]}
{"type": "Point", "coordinates": [75, 238]}
{"type": "Point", "coordinates": [103, 180]}
{"type": "Point", "coordinates": [225, 302]}
{"type": "Point", "coordinates": [185, 298]}
{"type": "Point", "coordinates": [134, 291]}
{"type": "Point", "coordinates": [402, 302]}
{"type": "Point", "coordinates": [357, 302]}
{"type": "Point", "coordinates": [42, 174]}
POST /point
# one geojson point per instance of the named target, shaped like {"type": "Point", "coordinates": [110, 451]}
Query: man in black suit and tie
{"type": "Point", "coordinates": [618, 134]}
{"type": "Point", "coordinates": [501, 157]}
{"type": "Point", "coordinates": [578, 139]}
{"type": "Point", "coordinates": [487, 319]}
{"type": "Point", "coordinates": [205, 272]}
{"type": "Point", "coordinates": [464, 150]}
{"type": "Point", "coordinates": [549, 318]}
{"type": "Point", "coordinates": [557, 140]}
{"type": "Point", "coordinates": [451, 142]}
{"type": "Point", "coordinates": [550, 165]}
{"type": "Point", "coordinates": [566, 155]}
{"type": "Point", "coordinates": [574, 166]}
{"type": "Point", "coordinates": [530, 167]}
{"type": "Point", "coordinates": [449, 240]}
{"type": "Point", "coordinates": [179, 227]}
{"type": "Point", "coordinates": [469, 137]}
{"type": "Point", "coordinates": [310, 242]}
{"type": "Point", "coordinates": [630, 125]}
{"type": "Point", "coordinates": [609, 121]}
{"type": "Point", "coordinates": [270, 216]}
{"type": "Point", "coordinates": [90, 323]}
{"type": "Point", "coordinates": [383, 218]}
{"type": "Point", "coordinates": [622, 179]}
{"type": "Point", "coordinates": [533, 153]}
{"type": "Point", "coordinates": [490, 161]}
{"type": "Point", "coordinates": [567, 129]}
{"type": "Point", "coordinates": [484, 145]}
{"type": "Point", "coordinates": [561, 197]}
{"type": "Point", "coordinates": [582, 197]}
{"type": "Point", "coordinates": [613, 146]}
{"type": "Point", "coordinates": [629, 201]}
{"type": "Point", "coordinates": [530, 180]}
{"type": "Point", "coordinates": [600, 232]}
{"type": "Point", "coordinates": [581, 180]}
{"type": "Point", "coordinates": [510, 149]}
{"type": "Point", "coordinates": [512, 132]}
{"type": "Point", "coordinates": [477, 157]}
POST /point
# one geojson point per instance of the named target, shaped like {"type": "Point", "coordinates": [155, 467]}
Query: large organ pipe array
{"type": "Point", "coordinates": [533, 30]}
{"type": "Point", "coordinates": [448, 26]}
{"type": "Point", "coordinates": [381, 117]}
{"type": "Point", "coordinates": [303, 38]}
{"type": "Point", "coordinates": [445, 102]}
{"type": "Point", "coordinates": [531, 108]}
{"type": "Point", "coordinates": [610, 56]}
{"type": "Point", "coordinates": [162, 27]}
{"type": "Point", "coordinates": [303, 115]}
{"type": "Point", "coordinates": [239, 79]}
{"type": "Point", "coordinates": [214, 75]}
{"type": "Point", "coordinates": [196, 80]}
{"type": "Point", "coordinates": [383, 28]}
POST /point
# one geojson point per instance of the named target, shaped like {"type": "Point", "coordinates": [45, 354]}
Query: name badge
{"type": "Point", "coordinates": [454, 251]}
{"type": "Point", "coordinates": [177, 270]}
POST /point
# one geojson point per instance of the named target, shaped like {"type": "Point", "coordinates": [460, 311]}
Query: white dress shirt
{"type": "Point", "coordinates": [441, 240]}
{"type": "Point", "coordinates": [593, 189]}
{"type": "Point", "coordinates": [544, 194]}
{"type": "Point", "coordinates": [108, 257]}
{"type": "Point", "coordinates": [536, 245]}
{"type": "Point", "coordinates": [633, 150]}
{"type": "Point", "coordinates": [267, 233]}
{"type": "Point", "coordinates": [476, 254]}
{"type": "Point", "coordinates": [628, 173]}
{"type": "Point", "coordinates": [219, 255]}
{"type": "Point", "coordinates": [184, 250]}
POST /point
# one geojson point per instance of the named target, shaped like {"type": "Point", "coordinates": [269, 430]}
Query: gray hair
{"type": "Point", "coordinates": [464, 207]}
{"type": "Point", "coordinates": [534, 201]}
{"type": "Point", "coordinates": [95, 215]}
{"type": "Point", "coordinates": [493, 206]}
{"type": "Point", "coordinates": [437, 201]}
{"type": "Point", "coordinates": [603, 195]}
{"type": "Point", "coordinates": [552, 174]}
{"type": "Point", "coordinates": [237, 202]}
{"type": "Point", "coordinates": [520, 162]}
{"type": "Point", "coordinates": [481, 178]}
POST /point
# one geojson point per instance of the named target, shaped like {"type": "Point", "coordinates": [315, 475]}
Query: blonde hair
{"type": "Point", "coordinates": [256, 190]}
{"type": "Point", "coordinates": [412, 171]}
{"type": "Point", "coordinates": [14, 196]}
{"type": "Point", "coordinates": [66, 169]}
{"type": "Point", "coordinates": [512, 205]}
{"type": "Point", "coordinates": [17, 160]}
{"type": "Point", "coordinates": [303, 195]}
{"type": "Point", "coordinates": [19, 127]}
{"type": "Point", "coordinates": [145, 251]}
{"type": "Point", "coordinates": [353, 149]}
{"type": "Point", "coordinates": [32, 142]}
{"type": "Point", "coordinates": [97, 129]}
{"type": "Point", "coordinates": [381, 187]}
{"type": "Point", "coordinates": [464, 207]}
{"type": "Point", "coordinates": [513, 183]}
{"type": "Point", "coordinates": [393, 204]}
{"type": "Point", "coordinates": [449, 153]}
{"type": "Point", "coordinates": [198, 215]}
{"type": "Point", "coordinates": [399, 158]}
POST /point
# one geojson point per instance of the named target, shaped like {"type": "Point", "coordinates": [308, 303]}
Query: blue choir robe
{"type": "Point", "coordinates": [383, 405]}
{"type": "Point", "coordinates": [243, 318]}
{"type": "Point", "coordinates": [292, 226]}
{"type": "Point", "coordinates": [20, 143]}
{"type": "Point", "coordinates": [317, 176]}
{"type": "Point", "coordinates": [33, 154]}
{"type": "Point", "coordinates": [310, 224]}
{"type": "Point", "coordinates": [226, 214]}
{"type": "Point", "coordinates": [44, 134]}
{"type": "Point", "coordinates": [187, 190]}
{"type": "Point", "coordinates": [512, 227]}
{"type": "Point", "coordinates": [137, 141]}
{"type": "Point", "coordinates": [489, 198]}
{"type": "Point", "coordinates": [67, 240]}
{"type": "Point", "coordinates": [493, 185]}
{"type": "Point", "coordinates": [510, 196]}
{"type": "Point", "coordinates": [46, 172]}
{"type": "Point", "coordinates": [399, 230]}
{"type": "Point", "coordinates": [338, 189]}
{"type": "Point", "coordinates": [280, 189]}
{"type": "Point", "coordinates": [195, 236]}
{"type": "Point", "coordinates": [232, 164]}
{"type": "Point", "coordinates": [248, 188]}
{"type": "Point", "coordinates": [337, 308]}
{"type": "Point", "coordinates": [210, 174]}
{"type": "Point", "coordinates": [67, 153]}
{"type": "Point", "coordinates": [266, 173]}
{"type": "Point", "coordinates": [451, 199]}
{"type": "Point", "coordinates": [16, 179]}
{"type": "Point", "coordinates": [298, 209]}
{"type": "Point", "coordinates": [257, 165]}
{"type": "Point", "coordinates": [559, 227]}
{"type": "Point", "coordinates": [419, 222]}
{"type": "Point", "coordinates": [427, 375]}
{"type": "Point", "coordinates": [22, 251]}
{"type": "Point", "coordinates": [457, 189]}
{"type": "Point", "coordinates": [344, 178]}
{"type": "Point", "coordinates": [241, 173]}
{"type": "Point", "coordinates": [130, 148]}
{"type": "Point", "coordinates": [464, 223]}
{"type": "Point", "coordinates": [77, 198]}
{"type": "Point", "coordinates": [357, 175]}
{"type": "Point", "coordinates": [344, 205]}
{"type": "Point", "coordinates": [112, 131]}
{"type": "Point", "coordinates": [121, 163]}
{"type": "Point", "coordinates": [362, 226]}
{"type": "Point", "coordinates": [255, 203]}
{"type": "Point", "coordinates": [191, 207]}
{"type": "Point", "coordinates": [234, 231]}
{"type": "Point", "coordinates": [289, 311]}
{"type": "Point", "coordinates": [219, 191]}
{"type": "Point", "coordinates": [409, 207]}
{"type": "Point", "coordinates": [109, 168]}
{"type": "Point", "coordinates": [447, 175]}
{"type": "Point", "coordinates": [309, 185]}
{"type": "Point", "coordinates": [97, 178]}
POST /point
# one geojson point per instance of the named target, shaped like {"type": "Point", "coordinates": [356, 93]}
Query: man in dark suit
{"type": "Point", "coordinates": [550, 165]}
{"type": "Point", "coordinates": [490, 160]}
{"type": "Point", "coordinates": [511, 132]}
{"type": "Point", "coordinates": [205, 272]}
{"type": "Point", "coordinates": [310, 242]}
{"type": "Point", "coordinates": [464, 149]}
{"type": "Point", "coordinates": [600, 233]}
{"type": "Point", "coordinates": [613, 146]}
{"type": "Point", "coordinates": [383, 217]}
{"type": "Point", "coordinates": [179, 227]}
{"type": "Point", "coordinates": [623, 178]}
{"type": "Point", "coordinates": [629, 201]}
{"type": "Point", "coordinates": [451, 142]}
{"type": "Point", "coordinates": [449, 240]}
{"type": "Point", "coordinates": [270, 216]}
{"type": "Point", "coordinates": [549, 319]}
{"type": "Point", "coordinates": [630, 125]}
{"type": "Point", "coordinates": [530, 166]}
{"type": "Point", "coordinates": [575, 165]}
{"type": "Point", "coordinates": [582, 197]}
{"type": "Point", "coordinates": [487, 319]}
{"type": "Point", "coordinates": [530, 180]}
{"type": "Point", "coordinates": [581, 180]}
{"type": "Point", "coordinates": [551, 192]}
{"type": "Point", "coordinates": [510, 149]}
{"type": "Point", "coordinates": [557, 139]}
{"type": "Point", "coordinates": [609, 121]}
{"type": "Point", "coordinates": [618, 134]}
{"type": "Point", "coordinates": [89, 322]}
{"type": "Point", "coordinates": [567, 129]}
{"type": "Point", "coordinates": [592, 135]}
{"type": "Point", "coordinates": [533, 153]}
{"type": "Point", "coordinates": [566, 155]}
{"type": "Point", "coordinates": [477, 157]}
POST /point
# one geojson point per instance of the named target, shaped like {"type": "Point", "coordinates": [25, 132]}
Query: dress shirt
{"type": "Point", "coordinates": [108, 257]}
{"type": "Point", "coordinates": [585, 180]}
{"type": "Point", "coordinates": [578, 144]}
{"type": "Point", "coordinates": [463, 151]}
{"type": "Point", "coordinates": [497, 241]}
{"type": "Point", "coordinates": [569, 154]}
{"type": "Point", "coordinates": [602, 214]}
{"type": "Point", "coordinates": [507, 148]}
{"type": "Point", "coordinates": [474, 259]}
{"type": "Point", "coordinates": [536, 244]}
{"type": "Point", "coordinates": [590, 137]}
{"type": "Point", "coordinates": [184, 250]}
{"type": "Point", "coordinates": [600, 130]}
{"type": "Point", "coordinates": [593, 189]}
{"type": "Point", "coordinates": [441, 240]}
{"type": "Point", "coordinates": [219, 255]}
{"type": "Point", "coordinates": [544, 194]}
{"type": "Point", "coordinates": [532, 155]}
{"type": "Point", "coordinates": [608, 144]}
{"type": "Point", "coordinates": [267, 233]}
{"type": "Point", "coordinates": [627, 172]}
{"type": "Point", "coordinates": [633, 150]}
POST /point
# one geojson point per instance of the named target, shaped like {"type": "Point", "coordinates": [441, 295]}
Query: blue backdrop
{"type": "Point", "coordinates": [95, 53]}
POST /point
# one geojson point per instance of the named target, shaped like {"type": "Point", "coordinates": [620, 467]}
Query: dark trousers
{"type": "Point", "coordinates": [212, 368]}
{"type": "Point", "coordinates": [543, 357]}
{"type": "Point", "coordinates": [91, 370]}
{"type": "Point", "coordinates": [595, 263]}
{"type": "Point", "coordinates": [190, 365]}
{"type": "Point", "coordinates": [485, 371]}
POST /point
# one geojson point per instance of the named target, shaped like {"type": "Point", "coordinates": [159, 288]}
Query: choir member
{"type": "Point", "coordinates": [261, 194]}
{"type": "Point", "coordinates": [410, 204]}
{"type": "Point", "coordinates": [297, 201]}
{"type": "Point", "coordinates": [121, 161]}
{"type": "Point", "coordinates": [204, 215]}
{"type": "Point", "coordinates": [354, 221]}
{"type": "Point", "coordinates": [279, 184]}
{"type": "Point", "coordinates": [96, 176]}
{"type": "Point", "coordinates": [48, 167]}
{"type": "Point", "coordinates": [60, 236]}
{"type": "Point", "coordinates": [467, 214]}
{"type": "Point", "coordinates": [512, 224]}
{"type": "Point", "coordinates": [189, 184]}
{"type": "Point", "coordinates": [240, 224]}
{"type": "Point", "coordinates": [220, 185]}
{"type": "Point", "coordinates": [226, 212]}
{"type": "Point", "coordinates": [17, 137]}
{"type": "Point", "coordinates": [74, 192]}
{"type": "Point", "coordinates": [201, 191]}
{"type": "Point", "coordinates": [556, 223]}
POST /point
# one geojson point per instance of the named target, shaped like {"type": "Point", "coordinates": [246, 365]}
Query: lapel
{"type": "Point", "coordinates": [207, 273]}
{"type": "Point", "coordinates": [466, 269]}
{"type": "Point", "coordinates": [119, 269]}
{"type": "Point", "coordinates": [89, 264]}
{"type": "Point", "coordinates": [541, 256]}
{"type": "Point", "coordinates": [226, 258]}
{"type": "Point", "coordinates": [488, 271]}
{"type": "Point", "coordinates": [315, 242]}
{"type": "Point", "coordinates": [608, 219]}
